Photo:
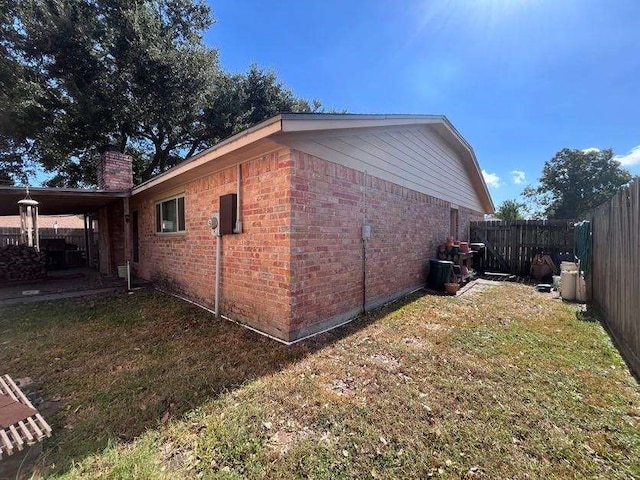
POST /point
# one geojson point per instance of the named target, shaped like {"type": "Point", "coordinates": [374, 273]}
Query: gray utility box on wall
{"type": "Point", "coordinates": [228, 213]}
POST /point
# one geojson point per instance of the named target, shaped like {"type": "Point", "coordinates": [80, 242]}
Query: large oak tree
{"type": "Point", "coordinates": [77, 74]}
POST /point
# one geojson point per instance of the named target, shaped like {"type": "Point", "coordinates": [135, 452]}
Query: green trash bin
{"type": "Point", "coordinates": [439, 272]}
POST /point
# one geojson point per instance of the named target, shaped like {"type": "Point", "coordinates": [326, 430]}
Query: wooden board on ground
{"type": "Point", "coordinates": [20, 422]}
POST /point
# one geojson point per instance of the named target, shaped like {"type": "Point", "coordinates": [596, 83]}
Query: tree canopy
{"type": "Point", "coordinates": [576, 181]}
{"type": "Point", "coordinates": [77, 74]}
{"type": "Point", "coordinates": [510, 210]}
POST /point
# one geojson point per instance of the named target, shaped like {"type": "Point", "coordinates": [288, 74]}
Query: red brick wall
{"type": "Point", "coordinates": [115, 171]}
{"type": "Point", "coordinates": [466, 216]}
{"type": "Point", "coordinates": [407, 227]}
{"type": "Point", "coordinates": [111, 237]}
{"type": "Point", "coordinates": [329, 207]}
{"type": "Point", "coordinates": [256, 272]}
{"type": "Point", "coordinates": [326, 242]}
{"type": "Point", "coordinates": [297, 268]}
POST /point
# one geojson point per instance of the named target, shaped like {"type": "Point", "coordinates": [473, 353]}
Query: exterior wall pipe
{"type": "Point", "coordinates": [238, 227]}
{"type": "Point", "coordinates": [36, 229]}
{"type": "Point", "coordinates": [365, 233]}
{"type": "Point", "coordinates": [216, 304]}
{"type": "Point", "coordinates": [87, 245]}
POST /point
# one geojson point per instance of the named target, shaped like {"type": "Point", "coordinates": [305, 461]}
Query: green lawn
{"type": "Point", "coordinates": [500, 383]}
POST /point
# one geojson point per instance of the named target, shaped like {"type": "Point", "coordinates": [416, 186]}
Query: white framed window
{"type": "Point", "coordinates": [170, 215]}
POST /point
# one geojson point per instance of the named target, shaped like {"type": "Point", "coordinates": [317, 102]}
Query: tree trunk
{"type": "Point", "coordinates": [147, 173]}
{"type": "Point", "coordinates": [159, 159]}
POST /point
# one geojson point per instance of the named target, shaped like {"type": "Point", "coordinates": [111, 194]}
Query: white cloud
{"type": "Point", "coordinates": [518, 177]}
{"type": "Point", "coordinates": [591, 150]}
{"type": "Point", "coordinates": [491, 179]}
{"type": "Point", "coordinates": [631, 158]}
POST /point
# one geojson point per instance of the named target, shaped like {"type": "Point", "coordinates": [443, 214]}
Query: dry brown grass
{"type": "Point", "coordinates": [500, 383]}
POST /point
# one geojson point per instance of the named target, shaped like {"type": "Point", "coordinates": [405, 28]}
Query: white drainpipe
{"type": "Point", "coordinates": [238, 228]}
{"type": "Point", "coordinates": [216, 305]}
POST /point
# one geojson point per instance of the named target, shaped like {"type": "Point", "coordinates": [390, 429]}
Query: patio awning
{"type": "Point", "coordinates": [59, 201]}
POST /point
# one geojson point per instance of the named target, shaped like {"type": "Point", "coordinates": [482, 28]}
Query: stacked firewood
{"type": "Point", "coordinates": [20, 262]}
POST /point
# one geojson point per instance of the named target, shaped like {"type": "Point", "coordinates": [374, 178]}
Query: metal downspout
{"type": "Point", "coordinates": [365, 236]}
{"type": "Point", "coordinates": [238, 227]}
{"type": "Point", "coordinates": [216, 304]}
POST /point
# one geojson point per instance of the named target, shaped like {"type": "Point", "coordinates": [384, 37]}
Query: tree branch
{"type": "Point", "coordinates": [193, 148]}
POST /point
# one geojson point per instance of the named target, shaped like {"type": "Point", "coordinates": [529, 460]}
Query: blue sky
{"type": "Point", "coordinates": [519, 79]}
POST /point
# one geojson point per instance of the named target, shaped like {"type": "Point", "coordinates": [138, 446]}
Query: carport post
{"type": "Point", "coordinates": [127, 229]}
{"type": "Point", "coordinates": [87, 244]}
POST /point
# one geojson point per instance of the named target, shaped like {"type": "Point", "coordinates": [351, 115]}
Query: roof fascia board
{"type": "Point", "coordinates": [66, 192]}
{"type": "Point", "coordinates": [304, 124]}
{"type": "Point", "coordinates": [345, 132]}
{"type": "Point", "coordinates": [358, 116]}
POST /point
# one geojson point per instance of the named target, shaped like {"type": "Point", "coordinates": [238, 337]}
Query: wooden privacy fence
{"type": "Point", "coordinates": [512, 244]}
{"type": "Point", "coordinates": [614, 280]}
{"type": "Point", "coordinates": [75, 236]}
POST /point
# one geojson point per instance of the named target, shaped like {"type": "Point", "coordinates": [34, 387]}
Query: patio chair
{"type": "Point", "coordinates": [20, 423]}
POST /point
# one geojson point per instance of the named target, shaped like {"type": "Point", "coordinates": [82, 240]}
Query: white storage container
{"type": "Point", "coordinates": [568, 284]}
{"type": "Point", "coordinates": [122, 271]}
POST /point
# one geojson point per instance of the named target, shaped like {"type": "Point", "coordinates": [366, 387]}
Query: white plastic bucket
{"type": "Point", "coordinates": [556, 281]}
{"type": "Point", "coordinates": [568, 284]}
{"type": "Point", "coordinates": [122, 271]}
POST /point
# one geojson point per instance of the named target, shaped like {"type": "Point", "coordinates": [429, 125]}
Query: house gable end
{"type": "Point", "coordinates": [413, 156]}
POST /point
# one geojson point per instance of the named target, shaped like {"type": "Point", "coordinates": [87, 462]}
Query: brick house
{"type": "Point", "coordinates": [323, 216]}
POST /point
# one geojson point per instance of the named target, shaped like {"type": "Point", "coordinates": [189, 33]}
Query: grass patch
{"type": "Point", "coordinates": [500, 383]}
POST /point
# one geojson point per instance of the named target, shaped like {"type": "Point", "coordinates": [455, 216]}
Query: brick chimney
{"type": "Point", "coordinates": [115, 169]}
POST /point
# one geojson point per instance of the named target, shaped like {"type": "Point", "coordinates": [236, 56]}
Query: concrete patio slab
{"type": "Point", "coordinates": [60, 284]}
